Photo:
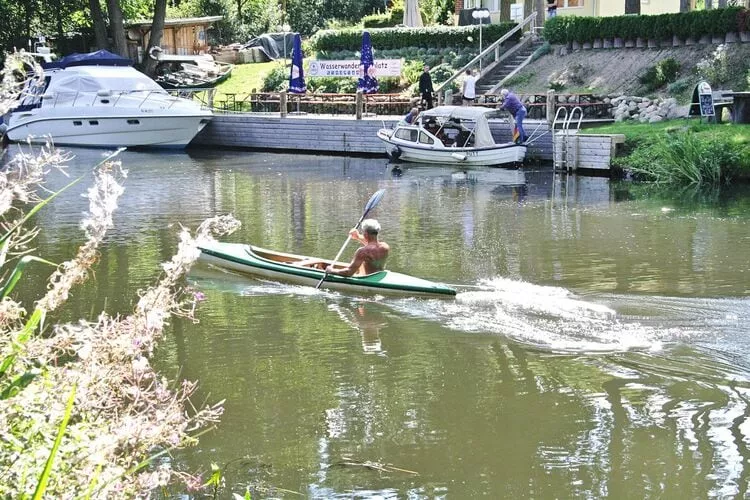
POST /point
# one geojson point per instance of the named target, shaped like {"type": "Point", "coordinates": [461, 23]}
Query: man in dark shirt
{"type": "Point", "coordinates": [425, 87]}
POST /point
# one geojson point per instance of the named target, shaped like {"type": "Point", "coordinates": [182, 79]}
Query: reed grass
{"type": "Point", "coordinates": [684, 152]}
{"type": "Point", "coordinates": [97, 442]}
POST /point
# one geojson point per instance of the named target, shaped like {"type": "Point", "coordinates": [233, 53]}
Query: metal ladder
{"type": "Point", "coordinates": [565, 120]}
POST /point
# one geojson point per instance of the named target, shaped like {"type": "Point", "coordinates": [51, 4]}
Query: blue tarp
{"type": "Point", "coordinates": [98, 58]}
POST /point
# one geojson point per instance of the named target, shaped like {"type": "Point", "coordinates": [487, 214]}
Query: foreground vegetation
{"type": "Point", "coordinates": [82, 413]}
{"type": "Point", "coordinates": [683, 152]}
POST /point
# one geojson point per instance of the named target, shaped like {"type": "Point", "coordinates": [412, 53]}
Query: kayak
{"type": "Point", "coordinates": [303, 270]}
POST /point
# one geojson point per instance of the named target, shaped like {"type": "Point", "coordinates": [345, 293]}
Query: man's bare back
{"type": "Point", "coordinates": [371, 256]}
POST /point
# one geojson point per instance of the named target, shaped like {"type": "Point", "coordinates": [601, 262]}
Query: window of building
{"type": "Point", "coordinates": [572, 3]}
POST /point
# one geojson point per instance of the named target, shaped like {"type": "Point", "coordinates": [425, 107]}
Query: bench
{"type": "Point", "coordinates": [722, 99]}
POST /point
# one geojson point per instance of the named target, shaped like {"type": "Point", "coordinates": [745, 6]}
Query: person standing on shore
{"type": "Point", "coordinates": [425, 87]}
{"type": "Point", "coordinates": [469, 91]}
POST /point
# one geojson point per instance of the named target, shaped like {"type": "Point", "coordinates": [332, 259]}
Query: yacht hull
{"type": "Point", "coordinates": [109, 131]}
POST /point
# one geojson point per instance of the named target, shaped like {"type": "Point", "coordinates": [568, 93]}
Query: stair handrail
{"type": "Point", "coordinates": [530, 20]}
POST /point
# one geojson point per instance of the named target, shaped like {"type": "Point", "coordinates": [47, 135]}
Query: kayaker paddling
{"type": "Point", "coordinates": [371, 256]}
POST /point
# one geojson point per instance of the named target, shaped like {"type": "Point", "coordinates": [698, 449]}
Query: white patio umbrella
{"type": "Point", "coordinates": [411, 14]}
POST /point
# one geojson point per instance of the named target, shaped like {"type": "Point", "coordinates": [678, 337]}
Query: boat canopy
{"type": "Point", "coordinates": [96, 78]}
{"type": "Point", "coordinates": [100, 57]}
{"type": "Point", "coordinates": [477, 114]}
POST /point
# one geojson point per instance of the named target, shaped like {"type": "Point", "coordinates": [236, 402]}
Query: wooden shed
{"type": "Point", "coordinates": [184, 36]}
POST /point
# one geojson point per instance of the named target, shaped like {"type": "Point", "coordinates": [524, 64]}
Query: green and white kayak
{"type": "Point", "coordinates": [304, 270]}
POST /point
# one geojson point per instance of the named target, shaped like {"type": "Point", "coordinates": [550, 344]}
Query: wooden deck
{"type": "Point", "coordinates": [331, 134]}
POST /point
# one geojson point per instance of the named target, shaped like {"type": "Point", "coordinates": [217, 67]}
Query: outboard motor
{"type": "Point", "coordinates": [394, 154]}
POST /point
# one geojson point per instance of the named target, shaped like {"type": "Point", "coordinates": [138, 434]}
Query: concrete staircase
{"type": "Point", "coordinates": [506, 67]}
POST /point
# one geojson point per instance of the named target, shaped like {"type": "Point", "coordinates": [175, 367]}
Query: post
{"type": "Point", "coordinates": [480, 45]}
{"type": "Point", "coordinates": [550, 106]}
{"type": "Point", "coordinates": [358, 105]}
{"type": "Point", "coordinates": [282, 103]}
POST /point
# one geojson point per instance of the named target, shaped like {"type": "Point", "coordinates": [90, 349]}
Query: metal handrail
{"type": "Point", "coordinates": [495, 46]}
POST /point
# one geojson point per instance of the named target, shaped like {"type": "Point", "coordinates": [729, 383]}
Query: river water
{"type": "Point", "coordinates": [598, 345]}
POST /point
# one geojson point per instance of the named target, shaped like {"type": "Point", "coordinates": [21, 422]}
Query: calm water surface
{"type": "Point", "coordinates": [598, 345]}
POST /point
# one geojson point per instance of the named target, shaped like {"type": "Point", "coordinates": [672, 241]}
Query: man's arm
{"type": "Point", "coordinates": [359, 258]}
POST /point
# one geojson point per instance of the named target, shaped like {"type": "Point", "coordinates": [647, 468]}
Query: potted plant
{"type": "Point", "coordinates": [618, 41]}
{"type": "Point", "coordinates": [644, 30]}
{"type": "Point", "coordinates": [595, 25]}
{"type": "Point", "coordinates": [677, 26]}
{"type": "Point", "coordinates": [629, 30]}
{"type": "Point", "coordinates": [589, 29]}
{"type": "Point", "coordinates": [729, 18]}
{"type": "Point", "coordinates": [606, 25]}
{"type": "Point", "coordinates": [743, 22]}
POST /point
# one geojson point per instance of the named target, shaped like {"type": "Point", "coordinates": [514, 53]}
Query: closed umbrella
{"type": "Point", "coordinates": [412, 17]}
{"type": "Point", "coordinates": [297, 77]}
{"type": "Point", "coordinates": [367, 83]}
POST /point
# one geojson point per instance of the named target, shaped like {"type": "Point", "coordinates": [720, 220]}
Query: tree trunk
{"type": "Point", "coordinates": [100, 26]}
{"type": "Point", "coordinates": [632, 6]}
{"type": "Point", "coordinates": [722, 4]}
{"type": "Point", "coordinates": [117, 28]}
{"type": "Point", "coordinates": [684, 5]}
{"type": "Point", "coordinates": [157, 30]}
{"type": "Point", "coordinates": [505, 10]}
{"type": "Point", "coordinates": [709, 4]}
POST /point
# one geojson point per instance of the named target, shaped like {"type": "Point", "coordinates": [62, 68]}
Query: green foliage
{"type": "Point", "coordinates": [277, 79]}
{"type": "Point", "coordinates": [44, 479]}
{"type": "Point", "coordinates": [685, 158]}
{"type": "Point", "coordinates": [566, 29]}
{"type": "Point", "coordinates": [662, 73]}
{"type": "Point", "coordinates": [680, 87]}
{"type": "Point", "coordinates": [388, 20]}
{"type": "Point", "coordinates": [394, 38]}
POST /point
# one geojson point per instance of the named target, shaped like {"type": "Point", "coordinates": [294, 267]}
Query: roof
{"type": "Point", "coordinates": [182, 21]}
{"type": "Point", "coordinates": [460, 112]}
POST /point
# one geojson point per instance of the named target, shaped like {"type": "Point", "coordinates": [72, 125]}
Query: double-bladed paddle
{"type": "Point", "coordinates": [374, 200]}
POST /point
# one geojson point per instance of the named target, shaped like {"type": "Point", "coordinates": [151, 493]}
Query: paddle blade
{"type": "Point", "coordinates": [374, 200]}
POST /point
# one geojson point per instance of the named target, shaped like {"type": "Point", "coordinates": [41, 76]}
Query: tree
{"type": "Point", "coordinates": [117, 28]}
{"type": "Point", "coordinates": [99, 24]}
{"type": "Point", "coordinates": [157, 31]}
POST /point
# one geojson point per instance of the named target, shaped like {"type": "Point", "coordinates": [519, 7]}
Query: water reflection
{"type": "Point", "coordinates": [597, 347]}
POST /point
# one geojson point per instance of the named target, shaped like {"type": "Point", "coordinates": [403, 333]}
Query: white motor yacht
{"type": "Point", "coordinates": [454, 135]}
{"type": "Point", "coordinates": [98, 99]}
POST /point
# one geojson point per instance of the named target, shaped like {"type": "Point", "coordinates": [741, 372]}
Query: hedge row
{"type": "Point", "coordinates": [566, 29]}
{"type": "Point", "coordinates": [396, 38]}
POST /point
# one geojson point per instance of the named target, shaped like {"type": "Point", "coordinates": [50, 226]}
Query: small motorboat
{"type": "Point", "coordinates": [305, 270]}
{"type": "Point", "coordinates": [454, 135]}
{"type": "Point", "coordinates": [199, 71]}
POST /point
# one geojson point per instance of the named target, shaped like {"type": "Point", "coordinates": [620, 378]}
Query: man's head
{"type": "Point", "coordinates": [370, 227]}
{"type": "Point", "coordinates": [414, 110]}
{"type": "Point", "coordinates": [504, 93]}
{"type": "Point", "coordinates": [426, 68]}
{"type": "Point", "coordinates": [468, 72]}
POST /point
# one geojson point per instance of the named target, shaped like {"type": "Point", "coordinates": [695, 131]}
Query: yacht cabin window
{"type": "Point", "coordinates": [407, 134]}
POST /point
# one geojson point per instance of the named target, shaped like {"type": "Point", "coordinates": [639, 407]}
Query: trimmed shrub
{"type": "Point", "coordinates": [395, 38]}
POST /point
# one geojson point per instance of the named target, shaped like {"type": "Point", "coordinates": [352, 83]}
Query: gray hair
{"type": "Point", "coordinates": [370, 226]}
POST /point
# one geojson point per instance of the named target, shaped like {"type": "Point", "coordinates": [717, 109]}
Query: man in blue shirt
{"type": "Point", "coordinates": [513, 105]}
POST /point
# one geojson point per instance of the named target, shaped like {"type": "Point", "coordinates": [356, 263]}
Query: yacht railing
{"type": "Point", "coordinates": [140, 98]}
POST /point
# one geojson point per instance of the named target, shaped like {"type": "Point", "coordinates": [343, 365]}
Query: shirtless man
{"type": "Point", "coordinates": [372, 255]}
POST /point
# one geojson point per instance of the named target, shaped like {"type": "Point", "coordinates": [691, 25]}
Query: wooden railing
{"type": "Point", "coordinates": [494, 51]}
{"type": "Point", "coordinates": [283, 103]}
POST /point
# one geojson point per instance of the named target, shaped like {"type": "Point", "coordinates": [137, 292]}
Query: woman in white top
{"type": "Point", "coordinates": [469, 89]}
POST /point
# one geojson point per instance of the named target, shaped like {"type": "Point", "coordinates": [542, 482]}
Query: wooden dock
{"type": "Point", "coordinates": [331, 134]}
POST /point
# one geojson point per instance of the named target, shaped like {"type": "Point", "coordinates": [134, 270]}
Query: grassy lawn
{"type": "Point", "coordinates": [246, 77]}
{"type": "Point", "coordinates": [636, 132]}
